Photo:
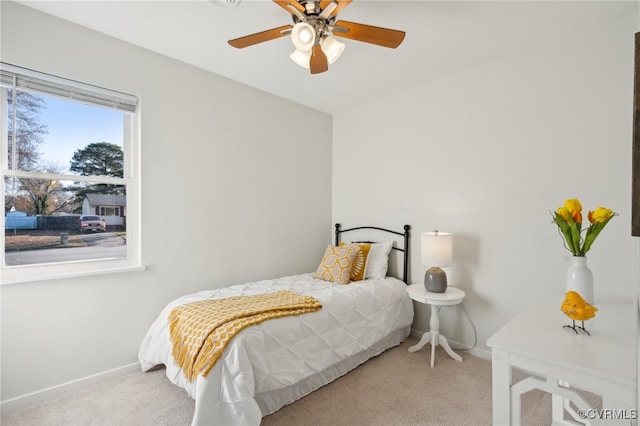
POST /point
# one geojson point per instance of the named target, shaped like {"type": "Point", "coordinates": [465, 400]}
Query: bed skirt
{"type": "Point", "coordinates": [270, 402]}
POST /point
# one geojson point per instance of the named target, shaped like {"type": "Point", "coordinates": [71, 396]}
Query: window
{"type": "Point", "coordinates": [109, 211]}
{"type": "Point", "coordinates": [68, 149]}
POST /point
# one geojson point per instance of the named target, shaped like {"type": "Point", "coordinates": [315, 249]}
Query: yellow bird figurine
{"type": "Point", "coordinates": [576, 308]}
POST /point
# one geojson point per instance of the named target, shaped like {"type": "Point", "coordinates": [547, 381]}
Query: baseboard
{"type": "Point", "coordinates": [52, 392]}
{"type": "Point", "coordinates": [458, 346]}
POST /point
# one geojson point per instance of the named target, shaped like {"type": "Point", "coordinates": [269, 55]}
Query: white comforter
{"type": "Point", "coordinates": [286, 357]}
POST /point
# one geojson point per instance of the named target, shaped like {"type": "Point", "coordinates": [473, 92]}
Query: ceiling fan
{"type": "Point", "coordinates": [312, 33]}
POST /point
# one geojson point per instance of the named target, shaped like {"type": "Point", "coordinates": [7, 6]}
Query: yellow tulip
{"type": "Point", "coordinates": [600, 214]}
{"type": "Point", "coordinates": [566, 214]}
{"type": "Point", "coordinates": [574, 208]}
{"type": "Point", "coordinates": [573, 204]}
{"type": "Point", "coordinates": [569, 221]}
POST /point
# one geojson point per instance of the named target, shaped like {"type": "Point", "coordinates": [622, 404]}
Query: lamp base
{"type": "Point", "coordinates": [435, 280]}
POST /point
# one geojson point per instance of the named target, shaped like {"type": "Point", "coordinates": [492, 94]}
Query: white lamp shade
{"type": "Point", "coordinates": [332, 48]}
{"type": "Point", "coordinates": [301, 58]}
{"type": "Point", "coordinates": [435, 248]}
{"type": "Point", "coordinates": [303, 36]}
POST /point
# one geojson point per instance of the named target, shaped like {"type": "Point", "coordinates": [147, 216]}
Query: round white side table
{"type": "Point", "coordinates": [451, 296]}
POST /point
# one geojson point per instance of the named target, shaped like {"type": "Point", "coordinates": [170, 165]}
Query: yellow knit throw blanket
{"type": "Point", "coordinates": [201, 330]}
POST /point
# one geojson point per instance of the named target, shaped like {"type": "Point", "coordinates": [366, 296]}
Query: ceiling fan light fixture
{"type": "Point", "coordinates": [301, 58]}
{"type": "Point", "coordinates": [315, 23]}
{"type": "Point", "coordinates": [332, 48]}
{"type": "Point", "coordinates": [303, 36]}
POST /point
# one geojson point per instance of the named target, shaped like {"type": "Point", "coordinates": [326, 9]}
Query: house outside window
{"type": "Point", "coordinates": [68, 149]}
{"type": "Point", "coordinates": [110, 211]}
{"type": "Point", "coordinates": [112, 208]}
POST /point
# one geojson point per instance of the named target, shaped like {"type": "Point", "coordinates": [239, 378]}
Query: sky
{"type": "Point", "coordinates": [73, 126]}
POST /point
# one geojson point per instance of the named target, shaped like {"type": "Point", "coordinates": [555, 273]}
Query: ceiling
{"type": "Point", "coordinates": [443, 37]}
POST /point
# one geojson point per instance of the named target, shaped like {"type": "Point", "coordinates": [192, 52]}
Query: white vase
{"type": "Point", "coordinates": [580, 278]}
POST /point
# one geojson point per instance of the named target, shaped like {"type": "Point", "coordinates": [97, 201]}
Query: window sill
{"type": "Point", "coordinates": [18, 275]}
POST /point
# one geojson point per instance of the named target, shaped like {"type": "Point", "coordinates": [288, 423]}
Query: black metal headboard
{"type": "Point", "coordinates": [404, 250]}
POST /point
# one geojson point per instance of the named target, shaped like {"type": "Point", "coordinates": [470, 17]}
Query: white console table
{"type": "Point", "coordinates": [559, 361]}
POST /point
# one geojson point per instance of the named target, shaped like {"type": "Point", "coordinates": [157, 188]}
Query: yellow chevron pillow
{"type": "Point", "coordinates": [360, 263]}
{"type": "Point", "coordinates": [336, 264]}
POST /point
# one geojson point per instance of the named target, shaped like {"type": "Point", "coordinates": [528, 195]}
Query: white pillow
{"type": "Point", "coordinates": [378, 260]}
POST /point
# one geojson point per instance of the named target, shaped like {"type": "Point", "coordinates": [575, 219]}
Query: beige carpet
{"type": "Point", "coordinates": [395, 388]}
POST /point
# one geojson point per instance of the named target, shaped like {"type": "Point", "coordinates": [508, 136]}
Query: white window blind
{"type": "Point", "coordinates": [22, 78]}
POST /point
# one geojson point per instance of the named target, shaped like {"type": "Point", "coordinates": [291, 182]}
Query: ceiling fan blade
{"type": "Point", "coordinates": [341, 5]}
{"type": "Point", "coordinates": [369, 34]}
{"type": "Point", "coordinates": [285, 5]}
{"type": "Point", "coordinates": [318, 62]}
{"type": "Point", "coordinates": [250, 40]}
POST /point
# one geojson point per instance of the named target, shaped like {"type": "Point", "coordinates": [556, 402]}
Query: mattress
{"type": "Point", "coordinates": [274, 363]}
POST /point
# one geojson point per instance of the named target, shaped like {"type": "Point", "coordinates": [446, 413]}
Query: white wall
{"type": "Point", "coordinates": [486, 154]}
{"type": "Point", "coordinates": [229, 194]}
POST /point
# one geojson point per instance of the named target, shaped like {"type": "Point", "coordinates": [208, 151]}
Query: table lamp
{"type": "Point", "coordinates": [435, 252]}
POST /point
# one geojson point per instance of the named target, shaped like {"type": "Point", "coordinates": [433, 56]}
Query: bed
{"type": "Point", "coordinates": [273, 363]}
